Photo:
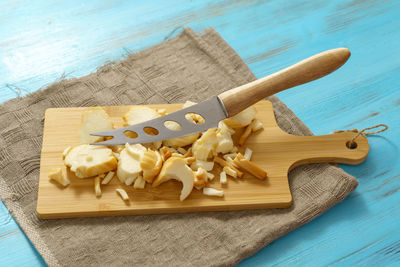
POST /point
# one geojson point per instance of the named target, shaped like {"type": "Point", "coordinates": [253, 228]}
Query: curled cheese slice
{"type": "Point", "coordinates": [151, 165]}
{"type": "Point", "coordinates": [176, 168]}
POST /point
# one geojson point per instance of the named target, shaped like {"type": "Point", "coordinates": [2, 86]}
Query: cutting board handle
{"type": "Point", "coordinates": [312, 68]}
{"type": "Point", "coordinates": [329, 148]}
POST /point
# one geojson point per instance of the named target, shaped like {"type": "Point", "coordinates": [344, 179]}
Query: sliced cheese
{"type": "Point", "coordinates": [139, 114]}
{"type": "Point", "coordinates": [90, 160]}
{"type": "Point", "coordinates": [94, 120]}
{"type": "Point", "coordinates": [129, 162]}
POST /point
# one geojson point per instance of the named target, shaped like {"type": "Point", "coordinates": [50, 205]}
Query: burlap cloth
{"type": "Point", "coordinates": [186, 67]}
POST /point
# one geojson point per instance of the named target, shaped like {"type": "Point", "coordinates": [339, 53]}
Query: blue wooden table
{"type": "Point", "coordinates": [41, 41]}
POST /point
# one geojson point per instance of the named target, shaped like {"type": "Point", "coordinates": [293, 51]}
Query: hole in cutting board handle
{"type": "Point", "coordinates": [351, 145]}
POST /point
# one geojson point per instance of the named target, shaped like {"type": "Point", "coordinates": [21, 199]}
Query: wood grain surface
{"type": "Point", "coordinates": [273, 150]}
{"type": "Point", "coordinates": [41, 41]}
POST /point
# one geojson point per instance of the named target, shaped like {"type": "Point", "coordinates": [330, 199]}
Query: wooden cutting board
{"type": "Point", "coordinates": [273, 149]}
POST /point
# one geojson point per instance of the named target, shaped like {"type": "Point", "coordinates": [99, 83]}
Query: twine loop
{"type": "Point", "coordinates": [352, 144]}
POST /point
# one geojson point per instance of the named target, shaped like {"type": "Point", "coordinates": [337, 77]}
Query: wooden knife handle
{"type": "Point", "coordinates": [312, 68]}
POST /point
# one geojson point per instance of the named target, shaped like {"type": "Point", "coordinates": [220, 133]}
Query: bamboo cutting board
{"type": "Point", "coordinates": [274, 150]}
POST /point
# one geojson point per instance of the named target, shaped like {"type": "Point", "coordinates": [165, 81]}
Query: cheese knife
{"type": "Point", "coordinates": [228, 103]}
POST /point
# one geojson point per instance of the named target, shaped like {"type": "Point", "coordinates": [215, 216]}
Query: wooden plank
{"type": "Point", "coordinates": [269, 35]}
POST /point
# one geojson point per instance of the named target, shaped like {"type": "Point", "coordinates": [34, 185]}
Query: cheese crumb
{"type": "Point", "coordinates": [257, 125]}
{"type": "Point", "coordinates": [222, 178]}
{"type": "Point", "coordinates": [213, 192]}
{"type": "Point", "coordinates": [122, 193]}
{"type": "Point", "coordinates": [162, 111]}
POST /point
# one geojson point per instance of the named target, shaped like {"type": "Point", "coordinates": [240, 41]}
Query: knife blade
{"type": "Point", "coordinates": [230, 102]}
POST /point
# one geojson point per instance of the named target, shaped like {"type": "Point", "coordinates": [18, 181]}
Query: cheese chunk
{"type": "Point", "coordinates": [57, 175]}
{"type": "Point", "coordinates": [200, 178]}
{"type": "Point", "coordinates": [90, 160]}
{"type": "Point", "coordinates": [129, 162]}
{"type": "Point", "coordinates": [207, 165]}
{"type": "Point", "coordinates": [205, 147]}
{"type": "Point", "coordinates": [241, 119]}
{"type": "Point", "coordinates": [139, 183]}
{"type": "Point", "coordinates": [224, 137]}
{"type": "Point", "coordinates": [94, 120]}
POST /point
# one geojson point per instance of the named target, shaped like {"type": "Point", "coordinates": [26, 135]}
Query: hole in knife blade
{"type": "Point", "coordinates": [195, 118]}
{"type": "Point", "coordinates": [150, 130]}
{"type": "Point", "coordinates": [130, 134]}
{"type": "Point", "coordinates": [172, 125]}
